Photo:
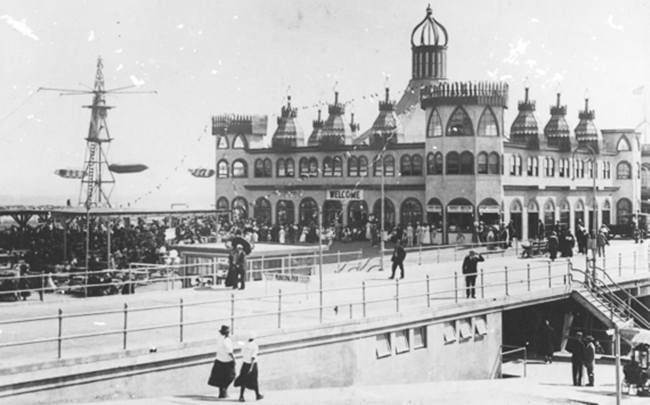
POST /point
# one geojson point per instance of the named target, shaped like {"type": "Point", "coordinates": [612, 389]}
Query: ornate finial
{"type": "Point", "coordinates": [527, 87]}
{"type": "Point", "coordinates": [429, 12]}
{"type": "Point", "coordinates": [336, 93]}
{"type": "Point", "coordinates": [288, 93]}
{"type": "Point", "coordinates": [587, 100]}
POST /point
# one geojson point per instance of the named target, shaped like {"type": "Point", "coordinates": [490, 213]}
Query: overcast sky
{"type": "Point", "coordinates": [212, 57]}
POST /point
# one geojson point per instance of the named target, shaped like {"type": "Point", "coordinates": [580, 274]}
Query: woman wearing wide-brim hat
{"type": "Point", "coordinates": [249, 371]}
{"type": "Point", "coordinates": [223, 369]}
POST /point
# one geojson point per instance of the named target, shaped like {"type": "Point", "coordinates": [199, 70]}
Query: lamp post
{"type": "Point", "coordinates": [594, 173]}
{"type": "Point", "coordinates": [383, 209]}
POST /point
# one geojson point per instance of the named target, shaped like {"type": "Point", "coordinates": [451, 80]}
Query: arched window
{"type": "Point", "coordinates": [338, 166]}
{"type": "Point", "coordinates": [259, 168]}
{"type": "Point", "coordinates": [623, 210]}
{"type": "Point", "coordinates": [222, 143]}
{"type": "Point", "coordinates": [291, 167]}
{"type": "Point", "coordinates": [405, 165]}
{"type": "Point", "coordinates": [435, 125]}
{"type": "Point", "coordinates": [487, 125]}
{"type": "Point", "coordinates": [268, 168]}
{"type": "Point", "coordinates": [416, 165]}
{"type": "Point", "coordinates": [389, 166]}
{"type": "Point", "coordinates": [482, 163]}
{"type": "Point", "coordinates": [223, 207]}
{"type": "Point", "coordinates": [431, 169]}
{"type": "Point", "coordinates": [460, 124]}
{"type": "Point", "coordinates": [377, 167]}
{"type": "Point", "coordinates": [389, 210]}
{"type": "Point", "coordinates": [564, 170]}
{"type": "Point", "coordinates": [623, 145]}
{"type": "Point", "coordinates": [439, 163]}
{"type": "Point", "coordinates": [453, 163]}
{"type": "Point", "coordinates": [549, 214]}
{"type": "Point", "coordinates": [308, 212]}
{"type": "Point", "coordinates": [222, 169]}
{"type": "Point", "coordinates": [262, 211]}
{"type": "Point", "coordinates": [411, 212]}
{"type": "Point", "coordinates": [328, 167]}
{"type": "Point", "coordinates": [531, 166]}
{"type": "Point", "coordinates": [281, 168]}
{"type": "Point", "coordinates": [313, 167]}
{"type": "Point", "coordinates": [549, 167]}
{"type": "Point", "coordinates": [284, 212]}
{"type": "Point", "coordinates": [304, 167]}
{"type": "Point", "coordinates": [607, 170]}
{"type": "Point", "coordinates": [239, 169]}
{"type": "Point", "coordinates": [363, 166]}
{"type": "Point", "coordinates": [623, 171]}
{"type": "Point", "coordinates": [353, 167]}
{"type": "Point", "coordinates": [466, 163]}
{"type": "Point", "coordinates": [493, 163]}
{"type": "Point", "coordinates": [239, 142]}
{"type": "Point", "coordinates": [515, 165]}
{"type": "Point", "coordinates": [239, 209]}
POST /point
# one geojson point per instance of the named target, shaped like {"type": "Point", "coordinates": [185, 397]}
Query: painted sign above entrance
{"type": "Point", "coordinates": [460, 208]}
{"type": "Point", "coordinates": [342, 194]}
{"type": "Point", "coordinates": [434, 208]}
{"type": "Point", "coordinates": [488, 209]}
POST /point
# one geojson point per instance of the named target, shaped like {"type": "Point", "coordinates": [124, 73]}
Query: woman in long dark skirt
{"type": "Point", "coordinates": [223, 370]}
{"type": "Point", "coordinates": [248, 373]}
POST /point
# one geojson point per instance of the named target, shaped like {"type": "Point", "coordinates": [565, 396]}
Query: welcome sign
{"type": "Point", "coordinates": [343, 194]}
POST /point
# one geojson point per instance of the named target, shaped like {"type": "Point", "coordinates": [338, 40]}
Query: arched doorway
{"type": "Point", "coordinates": [357, 214]}
{"type": "Point", "coordinates": [549, 215]}
{"type": "Point", "coordinates": [607, 207]}
{"type": "Point", "coordinates": [533, 219]}
{"type": "Point", "coordinates": [239, 209]}
{"type": "Point", "coordinates": [623, 208]}
{"type": "Point", "coordinates": [284, 212]}
{"type": "Point", "coordinates": [332, 211]}
{"type": "Point", "coordinates": [262, 211]}
{"type": "Point", "coordinates": [516, 217]}
{"type": "Point", "coordinates": [389, 213]}
{"type": "Point", "coordinates": [489, 212]}
{"type": "Point", "coordinates": [308, 212]}
{"type": "Point", "coordinates": [460, 221]}
{"type": "Point", "coordinates": [565, 215]}
{"type": "Point", "coordinates": [411, 212]}
{"type": "Point", "coordinates": [579, 213]}
{"type": "Point", "coordinates": [434, 220]}
{"type": "Point", "coordinates": [223, 208]}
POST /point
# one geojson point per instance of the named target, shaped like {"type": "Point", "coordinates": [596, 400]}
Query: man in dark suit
{"type": "Point", "coordinates": [576, 346]}
{"type": "Point", "coordinates": [398, 259]}
{"type": "Point", "coordinates": [469, 270]}
{"type": "Point", "coordinates": [238, 263]}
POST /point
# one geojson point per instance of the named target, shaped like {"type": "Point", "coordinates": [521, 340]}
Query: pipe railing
{"type": "Point", "coordinates": [515, 349]}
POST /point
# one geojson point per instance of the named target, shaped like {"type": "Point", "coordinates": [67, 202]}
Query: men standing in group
{"type": "Point", "coordinates": [576, 347]}
{"type": "Point", "coordinates": [399, 254]}
{"type": "Point", "coordinates": [469, 270]}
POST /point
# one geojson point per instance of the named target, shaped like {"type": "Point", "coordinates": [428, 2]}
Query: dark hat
{"type": "Point", "coordinates": [224, 329]}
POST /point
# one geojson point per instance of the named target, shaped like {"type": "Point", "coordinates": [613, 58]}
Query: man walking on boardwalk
{"type": "Point", "coordinates": [469, 270]}
{"type": "Point", "coordinates": [576, 347]}
{"type": "Point", "coordinates": [399, 254]}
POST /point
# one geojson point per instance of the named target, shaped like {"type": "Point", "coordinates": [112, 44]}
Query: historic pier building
{"type": "Point", "coordinates": [441, 153]}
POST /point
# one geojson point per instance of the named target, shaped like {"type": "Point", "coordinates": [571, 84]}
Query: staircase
{"type": "Point", "coordinates": [599, 297]}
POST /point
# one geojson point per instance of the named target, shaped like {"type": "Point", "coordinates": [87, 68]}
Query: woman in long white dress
{"type": "Point", "coordinates": [303, 235]}
{"type": "Point", "coordinates": [282, 235]}
{"type": "Point", "coordinates": [426, 235]}
{"type": "Point", "coordinates": [368, 231]}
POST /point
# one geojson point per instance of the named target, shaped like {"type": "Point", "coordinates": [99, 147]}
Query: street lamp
{"type": "Point", "coordinates": [594, 173]}
{"type": "Point", "coordinates": [383, 203]}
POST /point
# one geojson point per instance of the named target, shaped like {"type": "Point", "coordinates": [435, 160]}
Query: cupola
{"type": "Point", "coordinates": [586, 132]}
{"type": "Point", "coordinates": [557, 130]}
{"type": "Point", "coordinates": [428, 48]}
{"type": "Point", "coordinates": [524, 128]}
{"type": "Point", "coordinates": [316, 132]}
{"type": "Point", "coordinates": [289, 134]}
{"type": "Point", "coordinates": [335, 130]}
{"type": "Point", "coordinates": [387, 127]}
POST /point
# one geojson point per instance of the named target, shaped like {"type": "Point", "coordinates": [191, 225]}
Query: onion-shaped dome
{"type": "Point", "coordinates": [387, 127]}
{"type": "Point", "coordinates": [429, 32]}
{"type": "Point", "coordinates": [557, 130]}
{"type": "Point", "coordinates": [316, 133]}
{"type": "Point", "coordinates": [586, 131]}
{"type": "Point", "coordinates": [289, 132]}
{"type": "Point", "coordinates": [524, 128]}
{"type": "Point", "coordinates": [335, 130]}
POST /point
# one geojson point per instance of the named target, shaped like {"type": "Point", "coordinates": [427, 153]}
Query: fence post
{"type": "Point", "coordinates": [126, 324]}
{"type": "Point", "coordinates": [528, 275]}
{"type": "Point", "coordinates": [619, 264]}
{"type": "Point", "coordinates": [549, 275]}
{"type": "Point", "coordinates": [232, 313]}
{"type": "Point", "coordinates": [279, 309]}
{"type": "Point", "coordinates": [397, 293]}
{"type": "Point", "coordinates": [506, 273]}
{"type": "Point", "coordinates": [428, 293]}
{"type": "Point", "coordinates": [181, 324]}
{"type": "Point", "coordinates": [60, 332]}
{"type": "Point", "coordinates": [363, 293]}
{"type": "Point", "coordinates": [482, 285]}
{"type": "Point", "coordinates": [42, 292]}
{"type": "Point", "coordinates": [456, 286]}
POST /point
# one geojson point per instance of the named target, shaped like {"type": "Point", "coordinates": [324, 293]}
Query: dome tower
{"type": "Point", "coordinates": [429, 47]}
{"type": "Point", "coordinates": [586, 131]}
{"type": "Point", "coordinates": [524, 128]}
{"type": "Point", "coordinates": [336, 131]}
{"type": "Point", "coordinates": [289, 134]}
{"type": "Point", "coordinates": [387, 127]}
{"type": "Point", "coordinates": [557, 130]}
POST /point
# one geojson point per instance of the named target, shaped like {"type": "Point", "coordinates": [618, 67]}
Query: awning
{"type": "Point", "coordinates": [635, 336]}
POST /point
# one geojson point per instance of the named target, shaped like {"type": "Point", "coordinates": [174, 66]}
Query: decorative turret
{"type": "Point", "coordinates": [429, 46]}
{"type": "Point", "coordinates": [317, 131]}
{"type": "Point", "coordinates": [354, 126]}
{"type": "Point", "coordinates": [289, 133]}
{"type": "Point", "coordinates": [387, 127]}
{"type": "Point", "coordinates": [557, 130]}
{"type": "Point", "coordinates": [335, 130]}
{"type": "Point", "coordinates": [524, 128]}
{"type": "Point", "coordinates": [586, 132]}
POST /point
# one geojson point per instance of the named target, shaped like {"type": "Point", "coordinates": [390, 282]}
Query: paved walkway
{"type": "Point", "coordinates": [544, 384]}
{"type": "Point", "coordinates": [255, 306]}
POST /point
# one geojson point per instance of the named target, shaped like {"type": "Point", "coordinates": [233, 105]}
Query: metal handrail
{"type": "Point", "coordinates": [516, 349]}
{"type": "Point", "coordinates": [627, 294]}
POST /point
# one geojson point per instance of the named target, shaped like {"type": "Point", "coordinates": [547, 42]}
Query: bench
{"type": "Point", "coordinates": [535, 248]}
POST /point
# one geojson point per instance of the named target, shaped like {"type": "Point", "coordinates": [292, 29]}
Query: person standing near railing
{"type": "Point", "coordinates": [470, 271]}
{"type": "Point", "coordinates": [399, 254]}
{"type": "Point", "coordinates": [223, 369]}
{"type": "Point", "coordinates": [576, 347]}
{"type": "Point", "coordinates": [590, 359]}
